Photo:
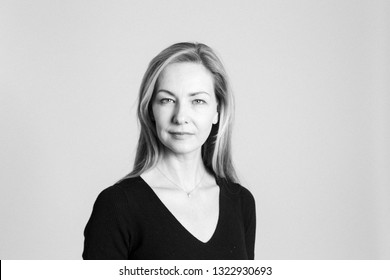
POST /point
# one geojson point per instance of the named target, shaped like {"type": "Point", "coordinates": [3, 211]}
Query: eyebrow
{"type": "Point", "coordinates": [191, 94]}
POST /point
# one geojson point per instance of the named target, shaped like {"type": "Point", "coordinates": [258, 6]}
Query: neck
{"type": "Point", "coordinates": [186, 171]}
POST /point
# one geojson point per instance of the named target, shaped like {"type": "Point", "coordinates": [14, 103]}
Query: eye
{"type": "Point", "coordinates": [166, 100]}
{"type": "Point", "coordinates": [198, 102]}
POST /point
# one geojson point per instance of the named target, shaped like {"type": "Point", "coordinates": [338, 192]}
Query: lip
{"type": "Point", "coordinates": [180, 134]}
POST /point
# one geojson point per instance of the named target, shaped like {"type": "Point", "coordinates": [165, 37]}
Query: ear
{"type": "Point", "coordinates": [216, 117]}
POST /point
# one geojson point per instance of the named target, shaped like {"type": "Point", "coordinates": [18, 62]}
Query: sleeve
{"type": "Point", "coordinates": [250, 224]}
{"type": "Point", "coordinates": [106, 235]}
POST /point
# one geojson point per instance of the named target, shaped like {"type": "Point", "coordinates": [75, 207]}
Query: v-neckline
{"type": "Point", "coordinates": [180, 225]}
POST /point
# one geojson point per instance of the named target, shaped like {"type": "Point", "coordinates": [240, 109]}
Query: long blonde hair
{"type": "Point", "coordinates": [216, 151]}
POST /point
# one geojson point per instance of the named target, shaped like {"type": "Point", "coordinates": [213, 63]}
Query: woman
{"type": "Point", "coordinates": [182, 199]}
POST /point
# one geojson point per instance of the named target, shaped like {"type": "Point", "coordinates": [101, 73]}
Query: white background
{"type": "Point", "coordinates": [312, 130]}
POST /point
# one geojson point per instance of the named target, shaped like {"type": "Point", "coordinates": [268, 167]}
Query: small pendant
{"type": "Point", "coordinates": [189, 195]}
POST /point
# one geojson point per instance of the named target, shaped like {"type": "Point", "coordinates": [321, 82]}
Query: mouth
{"type": "Point", "coordinates": [180, 135]}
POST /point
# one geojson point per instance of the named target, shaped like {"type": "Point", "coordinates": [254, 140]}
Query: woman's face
{"type": "Point", "coordinates": [184, 107]}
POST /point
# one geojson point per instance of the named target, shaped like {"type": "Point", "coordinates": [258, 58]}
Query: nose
{"type": "Point", "coordinates": [180, 115]}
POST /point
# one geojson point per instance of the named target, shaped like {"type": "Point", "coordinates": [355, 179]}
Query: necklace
{"type": "Point", "coordinates": [188, 193]}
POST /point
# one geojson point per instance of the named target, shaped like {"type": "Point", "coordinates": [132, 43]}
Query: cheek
{"type": "Point", "coordinates": [159, 116]}
{"type": "Point", "coordinates": [160, 126]}
{"type": "Point", "coordinates": [207, 123]}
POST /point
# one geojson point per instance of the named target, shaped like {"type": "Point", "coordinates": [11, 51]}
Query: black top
{"type": "Point", "coordinates": [129, 221]}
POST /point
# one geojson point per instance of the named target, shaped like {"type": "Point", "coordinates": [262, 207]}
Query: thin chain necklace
{"type": "Point", "coordinates": [188, 193]}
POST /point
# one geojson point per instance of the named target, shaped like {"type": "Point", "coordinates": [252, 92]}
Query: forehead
{"type": "Point", "coordinates": [186, 76]}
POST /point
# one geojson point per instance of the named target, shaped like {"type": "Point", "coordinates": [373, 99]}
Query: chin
{"type": "Point", "coordinates": [182, 149]}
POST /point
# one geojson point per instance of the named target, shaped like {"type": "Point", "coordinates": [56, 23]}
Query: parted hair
{"type": "Point", "coordinates": [216, 151]}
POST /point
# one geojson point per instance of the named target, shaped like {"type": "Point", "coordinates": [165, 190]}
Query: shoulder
{"type": "Point", "coordinates": [236, 191]}
{"type": "Point", "coordinates": [131, 185]}
{"type": "Point", "coordinates": [120, 193]}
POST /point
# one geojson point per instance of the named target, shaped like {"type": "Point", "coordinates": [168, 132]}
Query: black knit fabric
{"type": "Point", "coordinates": [129, 221]}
